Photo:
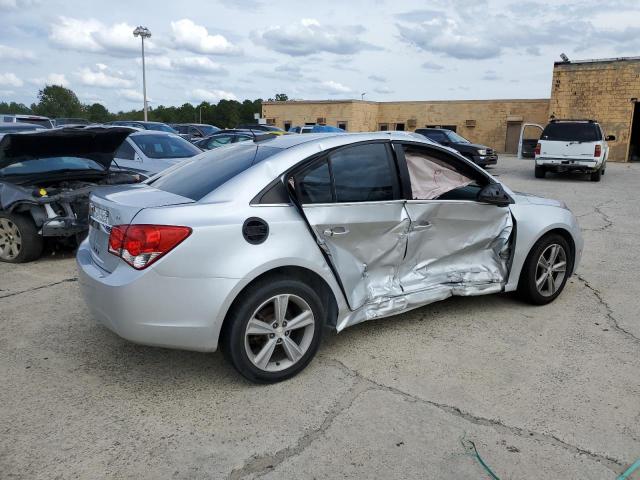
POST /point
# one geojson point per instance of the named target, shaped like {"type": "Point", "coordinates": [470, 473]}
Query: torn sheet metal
{"type": "Point", "coordinates": [365, 243]}
{"type": "Point", "coordinates": [453, 248]}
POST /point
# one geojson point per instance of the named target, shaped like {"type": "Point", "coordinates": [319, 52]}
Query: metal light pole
{"type": "Point", "coordinates": [143, 32]}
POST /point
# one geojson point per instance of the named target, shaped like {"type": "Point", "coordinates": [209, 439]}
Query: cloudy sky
{"type": "Point", "coordinates": [390, 49]}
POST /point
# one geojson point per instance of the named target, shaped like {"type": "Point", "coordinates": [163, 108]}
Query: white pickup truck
{"type": "Point", "coordinates": [571, 146]}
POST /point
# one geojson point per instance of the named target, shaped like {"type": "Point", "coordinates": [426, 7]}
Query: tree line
{"type": "Point", "coordinates": [55, 101]}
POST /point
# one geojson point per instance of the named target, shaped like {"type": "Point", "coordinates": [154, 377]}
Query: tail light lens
{"type": "Point", "coordinates": [141, 245]}
{"type": "Point", "coordinates": [537, 150]}
{"type": "Point", "coordinates": [597, 151]}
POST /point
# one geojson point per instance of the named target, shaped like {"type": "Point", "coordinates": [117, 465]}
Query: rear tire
{"type": "Point", "coordinates": [545, 258]}
{"type": "Point", "coordinates": [19, 239]}
{"type": "Point", "coordinates": [595, 176]}
{"type": "Point", "coordinates": [540, 172]}
{"type": "Point", "coordinates": [261, 324]}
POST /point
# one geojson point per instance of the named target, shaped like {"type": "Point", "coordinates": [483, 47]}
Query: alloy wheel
{"type": "Point", "coordinates": [279, 332]}
{"type": "Point", "coordinates": [10, 239]}
{"type": "Point", "coordinates": [551, 269]}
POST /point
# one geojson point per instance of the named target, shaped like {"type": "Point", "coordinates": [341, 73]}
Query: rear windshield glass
{"type": "Point", "coordinates": [210, 170]}
{"type": "Point", "coordinates": [164, 146]}
{"type": "Point", "coordinates": [36, 121]}
{"type": "Point", "coordinates": [161, 127]}
{"type": "Point", "coordinates": [572, 132]}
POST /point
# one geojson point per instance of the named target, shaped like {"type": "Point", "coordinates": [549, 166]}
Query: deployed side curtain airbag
{"type": "Point", "coordinates": [430, 178]}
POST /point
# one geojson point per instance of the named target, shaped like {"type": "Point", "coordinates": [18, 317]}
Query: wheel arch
{"type": "Point", "coordinates": [297, 272]}
{"type": "Point", "coordinates": [565, 234]}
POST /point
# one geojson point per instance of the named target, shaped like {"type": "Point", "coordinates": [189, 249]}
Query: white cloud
{"type": "Point", "coordinates": [10, 80]}
{"type": "Point", "coordinates": [51, 79]}
{"type": "Point", "coordinates": [131, 95]}
{"type": "Point", "coordinates": [383, 90]}
{"type": "Point", "coordinates": [103, 77]}
{"type": "Point", "coordinates": [16, 54]}
{"type": "Point", "coordinates": [195, 38]}
{"type": "Point", "coordinates": [200, 94]}
{"type": "Point", "coordinates": [309, 36]}
{"type": "Point", "coordinates": [17, 4]}
{"type": "Point", "coordinates": [90, 35]}
{"type": "Point", "coordinates": [194, 64]}
{"type": "Point", "coordinates": [335, 87]}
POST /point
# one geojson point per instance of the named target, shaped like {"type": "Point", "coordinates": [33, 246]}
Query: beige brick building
{"type": "Point", "coordinates": [604, 90]}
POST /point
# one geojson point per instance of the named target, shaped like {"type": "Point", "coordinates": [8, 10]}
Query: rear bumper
{"type": "Point", "coordinates": [568, 165]}
{"type": "Point", "coordinates": [150, 309]}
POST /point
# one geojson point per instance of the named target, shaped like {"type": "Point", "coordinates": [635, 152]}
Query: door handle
{"type": "Point", "coordinates": [421, 226]}
{"type": "Point", "coordinates": [335, 231]}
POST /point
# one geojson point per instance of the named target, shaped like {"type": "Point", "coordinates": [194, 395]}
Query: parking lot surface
{"type": "Point", "coordinates": [543, 392]}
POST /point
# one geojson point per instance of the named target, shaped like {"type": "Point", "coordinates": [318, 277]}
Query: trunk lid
{"type": "Point", "coordinates": [119, 206]}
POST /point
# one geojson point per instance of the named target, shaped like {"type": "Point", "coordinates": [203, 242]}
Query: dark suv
{"type": "Point", "coordinates": [478, 154]}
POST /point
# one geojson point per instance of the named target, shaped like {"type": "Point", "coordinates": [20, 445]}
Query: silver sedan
{"type": "Point", "coordinates": [257, 246]}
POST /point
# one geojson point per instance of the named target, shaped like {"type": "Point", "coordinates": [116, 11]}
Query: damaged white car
{"type": "Point", "coordinates": [258, 246]}
{"type": "Point", "coordinates": [45, 181]}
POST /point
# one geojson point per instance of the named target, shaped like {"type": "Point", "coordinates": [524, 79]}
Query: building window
{"type": "Point", "coordinates": [343, 125]}
{"type": "Point", "coordinates": [271, 121]}
{"type": "Point", "coordinates": [383, 127]}
{"type": "Point", "coordinates": [287, 125]}
{"type": "Point", "coordinates": [400, 127]}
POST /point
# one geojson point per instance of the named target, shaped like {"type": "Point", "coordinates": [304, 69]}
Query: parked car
{"type": "Point", "coordinates": [194, 131]}
{"type": "Point", "coordinates": [149, 152]}
{"type": "Point", "coordinates": [156, 126]}
{"type": "Point", "coordinates": [479, 154]}
{"type": "Point", "coordinates": [316, 129]}
{"type": "Point", "coordinates": [7, 127]}
{"type": "Point", "coordinates": [578, 146]}
{"type": "Point", "coordinates": [65, 122]}
{"type": "Point", "coordinates": [226, 137]}
{"type": "Point", "coordinates": [258, 246]}
{"type": "Point", "coordinates": [43, 122]}
{"type": "Point", "coordinates": [262, 127]}
{"type": "Point", "coordinates": [45, 180]}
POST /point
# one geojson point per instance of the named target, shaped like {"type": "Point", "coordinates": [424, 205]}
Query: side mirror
{"type": "Point", "coordinates": [610, 138]}
{"type": "Point", "coordinates": [495, 195]}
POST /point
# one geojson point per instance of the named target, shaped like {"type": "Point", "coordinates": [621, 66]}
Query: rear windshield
{"type": "Point", "coordinates": [572, 132]}
{"type": "Point", "coordinates": [206, 173]}
{"type": "Point", "coordinates": [161, 127]}
{"type": "Point", "coordinates": [164, 146]}
{"type": "Point", "coordinates": [43, 122]}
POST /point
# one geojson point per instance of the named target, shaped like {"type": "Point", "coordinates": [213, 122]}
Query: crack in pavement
{"type": "Point", "coordinates": [66, 280]}
{"type": "Point", "coordinates": [612, 320]}
{"type": "Point", "coordinates": [262, 464]}
{"type": "Point", "coordinates": [608, 222]}
{"type": "Point", "coordinates": [613, 464]}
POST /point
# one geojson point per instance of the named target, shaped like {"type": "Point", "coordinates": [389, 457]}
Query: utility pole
{"type": "Point", "coordinates": [143, 32]}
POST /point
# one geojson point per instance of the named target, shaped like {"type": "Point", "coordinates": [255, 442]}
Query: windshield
{"type": "Point", "coordinates": [50, 165]}
{"type": "Point", "coordinates": [160, 127]}
{"type": "Point", "coordinates": [165, 146]}
{"type": "Point", "coordinates": [203, 175]}
{"type": "Point", "coordinates": [16, 127]}
{"type": "Point", "coordinates": [43, 122]}
{"type": "Point", "coordinates": [572, 132]}
{"type": "Point", "coordinates": [454, 137]}
{"type": "Point", "coordinates": [208, 129]}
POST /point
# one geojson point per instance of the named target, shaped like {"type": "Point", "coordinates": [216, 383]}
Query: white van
{"type": "Point", "coordinates": [572, 146]}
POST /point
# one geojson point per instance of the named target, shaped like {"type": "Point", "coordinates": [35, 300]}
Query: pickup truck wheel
{"type": "Point", "coordinates": [595, 176]}
{"type": "Point", "coordinates": [274, 330]}
{"type": "Point", "coordinates": [546, 270]}
{"type": "Point", "coordinates": [19, 239]}
{"type": "Point", "coordinates": [540, 172]}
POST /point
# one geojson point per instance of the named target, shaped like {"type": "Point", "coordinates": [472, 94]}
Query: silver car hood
{"type": "Point", "coordinates": [521, 198]}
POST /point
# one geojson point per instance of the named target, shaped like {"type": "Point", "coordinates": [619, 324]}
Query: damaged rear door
{"type": "Point", "coordinates": [456, 245]}
{"type": "Point", "coordinates": [351, 199]}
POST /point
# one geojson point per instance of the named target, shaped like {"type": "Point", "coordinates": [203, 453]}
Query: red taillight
{"type": "Point", "coordinates": [537, 150]}
{"type": "Point", "coordinates": [141, 245]}
{"type": "Point", "coordinates": [597, 151]}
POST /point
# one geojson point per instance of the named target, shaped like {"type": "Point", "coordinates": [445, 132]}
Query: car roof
{"type": "Point", "coordinates": [141, 133]}
{"type": "Point", "coordinates": [24, 115]}
{"type": "Point", "coordinates": [289, 141]}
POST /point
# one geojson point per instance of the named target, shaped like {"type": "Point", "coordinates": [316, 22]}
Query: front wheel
{"type": "Point", "coordinates": [19, 239]}
{"type": "Point", "coordinates": [546, 270]}
{"type": "Point", "coordinates": [274, 330]}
